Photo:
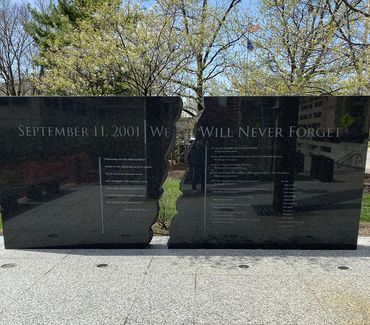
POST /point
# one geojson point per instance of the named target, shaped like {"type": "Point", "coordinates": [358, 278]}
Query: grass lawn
{"type": "Point", "coordinates": [365, 212]}
{"type": "Point", "coordinates": [167, 204]}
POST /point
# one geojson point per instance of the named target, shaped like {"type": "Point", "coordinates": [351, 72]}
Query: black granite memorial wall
{"type": "Point", "coordinates": [83, 171]}
{"type": "Point", "coordinates": [263, 172]}
{"type": "Point", "coordinates": [274, 172]}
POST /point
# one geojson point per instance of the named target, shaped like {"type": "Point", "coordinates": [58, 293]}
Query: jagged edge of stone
{"type": "Point", "coordinates": [165, 174]}
{"type": "Point", "coordinates": [184, 177]}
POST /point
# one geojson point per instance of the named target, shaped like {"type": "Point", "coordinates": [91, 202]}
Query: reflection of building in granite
{"type": "Point", "coordinates": [252, 152]}
{"type": "Point", "coordinates": [276, 191]}
{"type": "Point", "coordinates": [333, 112]}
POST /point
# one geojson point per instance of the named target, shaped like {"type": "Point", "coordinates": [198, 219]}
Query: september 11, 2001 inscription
{"type": "Point", "coordinates": [83, 171]}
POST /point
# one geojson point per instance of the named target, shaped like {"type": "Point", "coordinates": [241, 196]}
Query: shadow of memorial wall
{"type": "Point", "coordinates": [274, 172]}
{"type": "Point", "coordinates": [83, 171]}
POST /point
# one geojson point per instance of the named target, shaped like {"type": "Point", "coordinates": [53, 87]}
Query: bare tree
{"type": "Point", "coordinates": [15, 49]}
{"type": "Point", "coordinates": [352, 29]}
{"type": "Point", "coordinates": [355, 6]}
{"type": "Point", "coordinates": [151, 51]}
{"type": "Point", "coordinates": [209, 30]}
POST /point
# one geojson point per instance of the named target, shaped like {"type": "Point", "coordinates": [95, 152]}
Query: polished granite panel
{"type": "Point", "coordinates": [83, 171]}
{"type": "Point", "coordinates": [274, 172]}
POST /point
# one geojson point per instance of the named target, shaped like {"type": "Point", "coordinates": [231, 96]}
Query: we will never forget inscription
{"type": "Point", "coordinates": [83, 172]}
{"type": "Point", "coordinates": [274, 172]}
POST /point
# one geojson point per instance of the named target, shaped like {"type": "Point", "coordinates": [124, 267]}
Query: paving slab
{"type": "Point", "coordinates": [186, 286]}
{"type": "Point", "coordinates": [165, 299]}
{"type": "Point", "coordinates": [93, 299]}
{"type": "Point", "coordinates": [126, 264]}
{"type": "Point", "coordinates": [331, 262]}
{"type": "Point", "coordinates": [333, 266]}
{"type": "Point", "coordinates": [245, 265]}
{"type": "Point", "coordinates": [18, 275]}
{"type": "Point", "coordinates": [173, 265]}
{"type": "Point", "coordinates": [347, 299]}
{"type": "Point", "coordinates": [225, 299]}
{"type": "Point", "coordinates": [78, 292]}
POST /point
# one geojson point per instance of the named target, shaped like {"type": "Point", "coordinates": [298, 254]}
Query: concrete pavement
{"type": "Point", "coordinates": [161, 286]}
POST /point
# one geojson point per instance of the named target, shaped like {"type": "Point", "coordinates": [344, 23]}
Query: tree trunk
{"type": "Point", "coordinates": [199, 91]}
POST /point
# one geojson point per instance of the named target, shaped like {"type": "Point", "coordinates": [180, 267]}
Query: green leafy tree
{"type": "Point", "coordinates": [72, 55]}
{"type": "Point", "coordinates": [51, 24]}
{"type": "Point", "coordinates": [49, 27]}
{"type": "Point", "coordinates": [297, 50]}
{"type": "Point", "coordinates": [120, 50]}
